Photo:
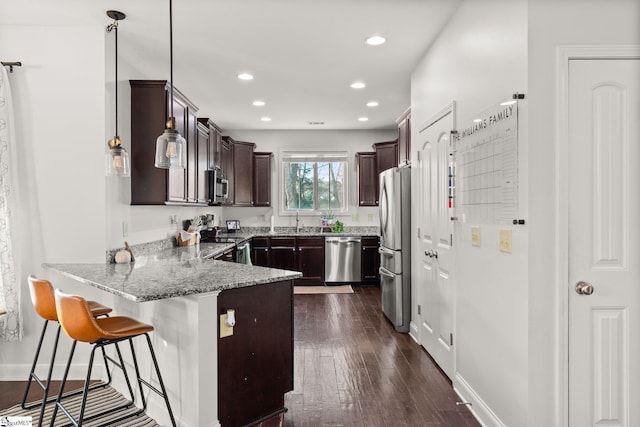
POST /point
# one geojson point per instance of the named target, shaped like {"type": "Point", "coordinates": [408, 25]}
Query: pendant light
{"type": "Point", "coordinates": [171, 146]}
{"type": "Point", "coordinates": [118, 163]}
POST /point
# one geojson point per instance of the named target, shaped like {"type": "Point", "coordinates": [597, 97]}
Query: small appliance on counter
{"type": "Point", "coordinates": [233, 225]}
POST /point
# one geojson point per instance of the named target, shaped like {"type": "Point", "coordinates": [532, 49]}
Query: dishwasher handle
{"type": "Point", "coordinates": [341, 240]}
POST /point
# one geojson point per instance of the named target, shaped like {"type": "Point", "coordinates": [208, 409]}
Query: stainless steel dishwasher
{"type": "Point", "coordinates": [342, 259]}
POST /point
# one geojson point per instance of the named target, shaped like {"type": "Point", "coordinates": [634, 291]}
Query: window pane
{"type": "Point", "coordinates": [298, 185]}
{"type": "Point", "coordinates": [331, 185]}
{"type": "Point", "coordinates": [314, 186]}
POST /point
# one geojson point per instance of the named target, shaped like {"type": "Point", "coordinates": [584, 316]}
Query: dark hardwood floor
{"type": "Point", "coordinates": [351, 369]}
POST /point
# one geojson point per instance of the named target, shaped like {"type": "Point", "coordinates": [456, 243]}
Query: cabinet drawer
{"type": "Point", "coordinates": [369, 241]}
{"type": "Point", "coordinates": [258, 242]}
{"type": "Point", "coordinates": [283, 241]}
{"type": "Point", "coordinates": [311, 241]}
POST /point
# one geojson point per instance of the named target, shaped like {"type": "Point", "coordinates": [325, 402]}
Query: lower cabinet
{"type": "Point", "coordinates": [304, 254]}
{"type": "Point", "coordinates": [370, 260]}
{"type": "Point", "coordinates": [255, 364]}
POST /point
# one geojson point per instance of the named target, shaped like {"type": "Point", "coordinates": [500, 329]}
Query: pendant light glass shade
{"type": "Point", "coordinates": [171, 150]}
{"type": "Point", "coordinates": [118, 163]}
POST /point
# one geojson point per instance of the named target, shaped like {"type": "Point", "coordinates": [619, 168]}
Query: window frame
{"type": "Point", "coordinates": [316, 157]}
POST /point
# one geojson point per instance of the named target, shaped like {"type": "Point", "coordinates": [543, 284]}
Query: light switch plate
{"type": "Point", "coordinates": [475, 236]}
{"type": "Point", "coordinates": [505, 241]}
{"type": "Point", "coordinates": [225, 331]}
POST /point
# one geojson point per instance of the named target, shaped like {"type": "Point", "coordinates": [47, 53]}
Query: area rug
{"type": "Point", "coordinates": [99, 400]}
{"type": "Point", "coordinates": [307, 290]}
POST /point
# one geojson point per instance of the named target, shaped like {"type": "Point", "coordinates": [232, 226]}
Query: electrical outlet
{"type": "Point", "coordinates": [225, 331]}
{"type": "Point", "coordinates": [505, 241]}
{"type": "Point", "coordinates": [475, 236]}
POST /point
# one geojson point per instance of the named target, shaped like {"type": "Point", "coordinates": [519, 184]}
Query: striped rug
{"type": "Point", "coordinates": [99, 400]}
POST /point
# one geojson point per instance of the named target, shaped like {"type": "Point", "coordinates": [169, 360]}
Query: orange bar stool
{"type": "Point", "coordinates": [44, 303]}
{"type": "Point", "coordinates": [78, 323]}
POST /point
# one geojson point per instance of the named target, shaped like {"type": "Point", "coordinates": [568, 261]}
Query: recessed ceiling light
{"type": "Point", "coordinates": [245, 76]}
{"type": "Point", "coordinates": [376, 40]}
{"type": "Point", "coordinates": [358, 85]}
{"type": "Point", "coordinates": [373, 104]}
{"type": "Point", "coordinates": [513, 101]}
{"type": "Point", "coordinates": [477, 120]}
{"type": "Point", "coordinates": [265, 119]}
{"type": "Point", "coordinates": [363, 119]}
{"type": "Point", "coordinates": [258, 103]}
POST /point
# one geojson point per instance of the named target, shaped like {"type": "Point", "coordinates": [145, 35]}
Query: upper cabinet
{"type": "Point", "coordinates": [367, 179]}
{"type": "Point", "coordinates": [262, 179]}
{"type": "Point", "coordinates": [149, 112]}
{"type": "Point", "coordinates": [404, 138]}
{"type": "Point", "coordinates": [386, 155]}
{"type": "Point", "coordinates": [243, 173]}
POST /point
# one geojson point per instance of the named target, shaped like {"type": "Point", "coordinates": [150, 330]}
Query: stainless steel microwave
{"type": "Point", "coordinates": [218, 187]}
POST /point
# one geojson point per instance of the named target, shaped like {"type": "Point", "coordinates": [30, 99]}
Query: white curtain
{"type": "Point", "coordinates": [10, 323]}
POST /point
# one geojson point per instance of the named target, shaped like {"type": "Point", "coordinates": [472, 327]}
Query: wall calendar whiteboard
{"type": "Point", "coordinates": [485, 168]}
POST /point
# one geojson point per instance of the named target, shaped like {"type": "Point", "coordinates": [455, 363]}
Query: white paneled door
{"type": "Point", "coordinates": [604, 255]}
{"type": "Point", "coordinates": [436, 289]}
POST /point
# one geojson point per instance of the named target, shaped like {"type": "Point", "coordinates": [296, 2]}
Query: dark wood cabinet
{"type": "Point", "coordinates": [367, 179]}
{"type": "Point", "coordinates": [370, 261]}
{"type": "Point", "coordinates": [283, 253]}
{"type": "Point", "coordinates": [386, 155]}
{"type": "Point", "coordinates": [310, 260]}
{"type": "Point", "coordinates": [262, 179]}
{"type": "Point", "coordinates": [214, 147]}
{"type": "Point", "coordinates": [261, 251]}
{"type": "Point", "coordinates": [150, 108]}
{"type": "Point", "coordinates": [255, 364]}
{"type": "Point", "coordinates": [243, 173]}
{"type": "Point", "coordinates": [202, 165]}
{"type": "Point", "coordinates": [404, 138]}
{"type": "Point", "coordinates": [226, 165]}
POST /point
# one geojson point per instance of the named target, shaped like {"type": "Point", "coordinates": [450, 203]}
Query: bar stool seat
{"type": "Point", "coordinates": [75, 317]}
{"type": "Point", "coordinates": [44, 303]}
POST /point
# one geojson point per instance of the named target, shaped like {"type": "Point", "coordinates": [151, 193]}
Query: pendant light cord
{"type": "Point", "coordinates": [171, 57]}
{"type": "Point", "coordinates": [116, 28]}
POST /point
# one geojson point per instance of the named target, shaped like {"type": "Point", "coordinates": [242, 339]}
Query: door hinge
{"type": "Point", "coordinates": [450, 339]}
{"type": "Point", "coordinates": [450, 240]}
{"type": "Point", "coordinates": [418, 155]}
{"type": "Point", "coordinates": [418, 232]}
{"type": "Point", "coordinates": [419, 309]}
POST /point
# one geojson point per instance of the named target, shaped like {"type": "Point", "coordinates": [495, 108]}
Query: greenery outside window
{"type": "Point", "coordinates": [314, 182]}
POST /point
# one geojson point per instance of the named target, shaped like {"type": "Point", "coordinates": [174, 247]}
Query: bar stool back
{"type": "Point", "coordinates": [75, 317]}
{"type": "Point", "coordinates": [43, 300]}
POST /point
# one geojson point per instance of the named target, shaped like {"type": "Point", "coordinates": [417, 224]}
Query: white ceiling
{"type": "Point", "coordinates": [304, 54]}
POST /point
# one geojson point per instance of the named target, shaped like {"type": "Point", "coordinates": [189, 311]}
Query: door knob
{"type": "Point", "coordinates": [583, 288]}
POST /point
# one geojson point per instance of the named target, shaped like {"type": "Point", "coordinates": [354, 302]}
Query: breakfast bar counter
{"type": "Point", "coordinates": [212, 379]}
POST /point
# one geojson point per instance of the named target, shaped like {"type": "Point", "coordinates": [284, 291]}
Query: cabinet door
{"type": "Point", "coordinates": [367, 179]}
{"type": "Point", "coordinates": [192, 156]}
{"type": "Point", "coordinates": [283, 253]}
{"type": "Point", "coordinates": [311, 260]}
{"type": "Point", "coordinates": [177, 188]}
{"type": "Point", "coordinates": [255, 364]}
{"type": "Point", "coordinates": [386, 155]}
{"type": "Point", "coordinates": [202, 164]}
{"type": "Point", "coordinates": [226, 162]}
{"type": "Point", "coordinates": [261, 255]}
{"type": "Point", "coordinates": [370, 260]}
{"type": "Point", "coordinates": [404, 138]}
{"type": "Point", "coordinates": [262, 179]}
{"type": "Point", "coordinates": [243, 173]}
{"type": "Point", "coordinates": [148, 115]}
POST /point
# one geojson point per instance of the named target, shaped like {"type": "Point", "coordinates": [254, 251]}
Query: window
{"type": "Point", "coordinates": [314, 182]}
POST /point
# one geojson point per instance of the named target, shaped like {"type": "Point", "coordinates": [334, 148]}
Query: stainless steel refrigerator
{"type": "Point", "coordinates": [395, 246]}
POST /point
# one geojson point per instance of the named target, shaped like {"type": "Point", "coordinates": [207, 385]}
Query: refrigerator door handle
{"type": "Point", "coordinates": [384, 251]}
{"type": "Point", "coordinates": [386, 273]}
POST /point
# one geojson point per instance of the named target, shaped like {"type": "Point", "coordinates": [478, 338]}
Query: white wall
{"type": "Point", "coordinates": [553, 24]}
{"type": "Point", "coordinates": [59, 120]}
{"type": "Point", "coordinates": [274, 141]}
{"type": "Point", "coordinates": [480, 59]}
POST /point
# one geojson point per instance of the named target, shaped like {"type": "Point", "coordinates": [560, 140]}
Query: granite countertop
{"type": "Point", "coordinates": [251, 232]}
{"type": "Point", "coordinates": [172, 273]}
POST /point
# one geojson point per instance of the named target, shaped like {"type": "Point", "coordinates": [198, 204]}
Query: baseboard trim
{"type": "Point", "coordinates": [20, 372]}
{"type": "Point", "coordinates": [480, 410]}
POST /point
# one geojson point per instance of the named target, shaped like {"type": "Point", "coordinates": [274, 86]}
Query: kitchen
{"type": "Point", "coordinates": [76, 220]}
